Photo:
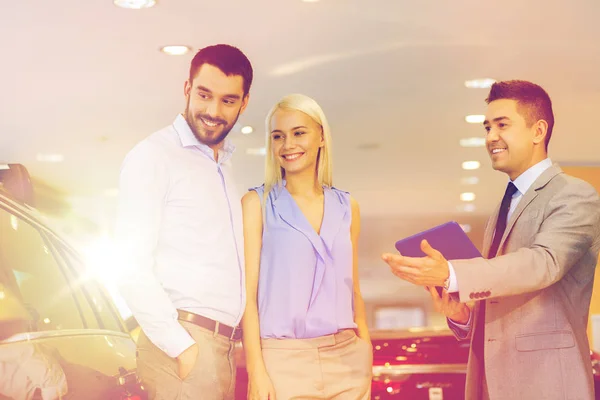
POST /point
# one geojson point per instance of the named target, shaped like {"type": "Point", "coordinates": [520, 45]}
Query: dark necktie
{"type": "Point", "coordinates": [502, 219]}
{"type": "Point", "coordinates": [498, 233]}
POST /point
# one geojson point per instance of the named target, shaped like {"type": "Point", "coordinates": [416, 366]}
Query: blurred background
{"type": "Point", "coordinates": [403, 84]}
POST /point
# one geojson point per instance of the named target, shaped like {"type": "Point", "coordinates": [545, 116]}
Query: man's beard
{"type": "Point", "coordinates": [197, 127]}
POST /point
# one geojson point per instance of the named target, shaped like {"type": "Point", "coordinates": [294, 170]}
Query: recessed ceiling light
{"type": "Point", "coordinates": [475, 119]}
{"type": "Point", "coordinates": [470, 165]}
{"type": "Point", "coordinates": [467, 196]}
{"type": "Point", "coordinates": [483, 83]}
{"type": "Point", "coordinates": [246, 130]}
{"type": "Point", "coordinates": [472, 142]}
{"type": "Point", "coordinates": [466, 227]}
{"type": "Point", "coordinates": [51, 158]}
{"type": "Point", "coordinates": [469, 180]}
{"type": "Point", "coordinates": [135, 4]}
{"type": "Point", "coordinates": [469, 207]}
{"type": "Point", "coordinates": [257, 151]}
{"type": "Point", "coordinates": [175, 50]}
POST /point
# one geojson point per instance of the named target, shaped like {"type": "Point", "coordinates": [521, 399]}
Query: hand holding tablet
{"type": "Point", "coordinates": [426, 263]}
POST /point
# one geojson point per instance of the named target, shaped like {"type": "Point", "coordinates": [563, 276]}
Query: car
{"type": "Point", "coordinates": [415, 364]}
{"type": "Point", "coordinates": [427, 364]}
{"type": "Point", "coordinates": [61, 337]}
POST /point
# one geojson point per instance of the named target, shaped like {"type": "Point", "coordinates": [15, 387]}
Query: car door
{"type": "Point", "coordinates": [60, 337]}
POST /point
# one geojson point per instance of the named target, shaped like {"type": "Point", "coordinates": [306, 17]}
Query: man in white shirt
{"type": "Point", "coordinates": [532, 294]}
{"type": "Point", "coordinates": [179, 231]}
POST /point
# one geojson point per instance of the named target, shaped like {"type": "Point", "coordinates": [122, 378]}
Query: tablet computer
{"type": "Point", "coordinates": [449, 239]}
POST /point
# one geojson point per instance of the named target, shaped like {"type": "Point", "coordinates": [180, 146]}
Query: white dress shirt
{"type": "Point", "coordinates": [523, 182]}
{"type": "Point", "coordinates": [179, 233]}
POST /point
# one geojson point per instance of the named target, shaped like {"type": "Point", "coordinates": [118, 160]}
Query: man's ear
{"type": "Point", "coordinates": [540, 131]}
{"type": "Point", "coordinates": [187, 88]}
{"type": "Point", "coordinates": [245, 102]}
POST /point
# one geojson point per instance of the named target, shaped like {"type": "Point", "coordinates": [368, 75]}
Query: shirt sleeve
{"type": "Point", "coordinates": [452, 282]}
{"type": "Point", "coordinates": [143, 189]}
{"type": "Point", "coordinates": [461, 331]}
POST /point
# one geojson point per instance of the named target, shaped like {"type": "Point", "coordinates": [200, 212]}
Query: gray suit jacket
{"type": "Point", "coordinates": [537, 295]}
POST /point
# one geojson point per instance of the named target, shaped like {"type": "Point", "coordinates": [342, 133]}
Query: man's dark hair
{"type": "Point", "coordinates": [533, 103]}
{"type": "Point", "coordinates": [228, 59]}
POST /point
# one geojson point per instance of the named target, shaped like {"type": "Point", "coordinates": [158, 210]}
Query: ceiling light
{"type": "Point", "coordinates": [472, 142]}
{"type": "Point", "coordinates": [469, 180]}
{"type": "Point", "coordinates": [51, 158]}
{"type": "Point", "coordinates": [467, 196]}
{"type": "Point", "coordinates": [466, 227]}
{"type": "Point", "coordinates": [246, 130]}
{"type": "Point", "coordinates": [257, 151]}
{"type": "Point", "coordinates": [469, 207]}
{"type": "Point", "coordinates": [175, 50]}
{"type": "Point", "coordinates": [484, 83]}
{"type": "Point", "coordinates": [134, 4]}
{"type": "Point", "coordinates": [471, 165]}
{"type": "Point", "coordinates": [475, 119]}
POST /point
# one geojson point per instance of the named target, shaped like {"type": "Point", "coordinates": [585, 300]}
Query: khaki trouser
{"type": "Point", "coordinates": [212, 377]}
{"type": "Point", "coordinates": [335, 366]}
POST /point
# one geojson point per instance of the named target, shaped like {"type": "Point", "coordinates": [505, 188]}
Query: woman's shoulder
{"type": "Point", "coordinates": [258, 189]}
{"type": "Point", "coordinates": [341, 195]}
{"type": "Point", "coordinates": [272, 195]}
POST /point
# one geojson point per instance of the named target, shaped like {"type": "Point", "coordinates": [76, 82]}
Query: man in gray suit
{"type": "Point", "coordinates": [531, 295]}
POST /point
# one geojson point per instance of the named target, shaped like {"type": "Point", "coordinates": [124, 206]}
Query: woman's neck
{"type": "Point", "coordinates": [303, 184]}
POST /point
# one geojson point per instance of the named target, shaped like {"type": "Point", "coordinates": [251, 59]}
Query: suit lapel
{"type": "Point", "coordinates": [527, 198]}
{"type": "Point", "coordinates": [489, 232]}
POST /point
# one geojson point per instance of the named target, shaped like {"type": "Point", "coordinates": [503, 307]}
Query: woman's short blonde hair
{"type": "Point", "coordinates": [274, 174]}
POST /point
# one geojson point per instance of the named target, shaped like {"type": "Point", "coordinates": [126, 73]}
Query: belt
{"type": "Point", "coordinates": [213, 326]}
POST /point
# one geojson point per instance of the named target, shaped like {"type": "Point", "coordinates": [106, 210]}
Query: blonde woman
{"type": "Point", "coordinates": [304, 328]}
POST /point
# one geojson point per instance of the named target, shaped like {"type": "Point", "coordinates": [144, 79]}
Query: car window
{"type": "Point", "coordinates": [32, 275]}
{"type": "Point", "coordinates": [94, 299]}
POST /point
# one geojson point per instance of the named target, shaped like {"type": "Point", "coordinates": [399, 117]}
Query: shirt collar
{"type": "Point", "coordinates": [526, 179]}
{"type": "Point", "coordinates": [188, 139]}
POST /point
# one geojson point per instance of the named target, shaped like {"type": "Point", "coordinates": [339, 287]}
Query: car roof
{"type": "Point", "coordinates": [30, 214]}
{"type": "Point", "coordinates": [387, 334]}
